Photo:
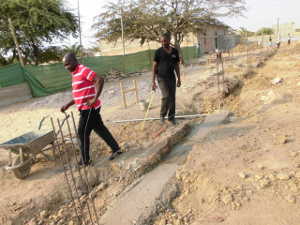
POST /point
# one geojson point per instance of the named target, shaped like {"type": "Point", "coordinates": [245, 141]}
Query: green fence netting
{"type": "Point", "coordinates": [11, 75]}
{"type": "Point", "coordinates": [49, 79]}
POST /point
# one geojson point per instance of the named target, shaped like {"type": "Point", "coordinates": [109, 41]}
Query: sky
{"type": "Point", "coordinates": [260, 13]}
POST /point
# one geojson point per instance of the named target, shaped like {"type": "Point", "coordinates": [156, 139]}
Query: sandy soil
{"type": "Point", "coordinates": [247, 172]}
{"type": "Point", "coordinates": [46, 177]}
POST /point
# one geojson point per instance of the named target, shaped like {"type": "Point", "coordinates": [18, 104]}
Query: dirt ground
{"type": "Point", "coordinates": [243, 141]}
{"type": "Point", "coordinates": [247, 172]}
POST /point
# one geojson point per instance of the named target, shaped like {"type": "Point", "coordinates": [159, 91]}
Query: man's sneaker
{"type": "Point", "coordinates": [173, 121]}
{"type": "Point", "coordinates": [115, 154]}
{"type": "Point", "coordinates": [81, 163]}
{"type": "Point", "coordinates": [162, 120]}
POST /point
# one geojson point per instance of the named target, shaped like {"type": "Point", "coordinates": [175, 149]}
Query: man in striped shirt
{"type": "Point", "coordinates": [86, 89]}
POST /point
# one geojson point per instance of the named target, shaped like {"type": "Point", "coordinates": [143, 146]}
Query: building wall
{"type": "Point", "coordinates": [208, 38]}
{"type": "Point", "coordinates": [284, 29]}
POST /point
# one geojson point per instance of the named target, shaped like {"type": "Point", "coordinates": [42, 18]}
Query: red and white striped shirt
{"type": "Point", "coordinates": [83, 87]}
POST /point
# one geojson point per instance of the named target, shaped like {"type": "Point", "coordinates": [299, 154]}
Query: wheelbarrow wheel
{"type": "Point", "coordinates": [24, 170]}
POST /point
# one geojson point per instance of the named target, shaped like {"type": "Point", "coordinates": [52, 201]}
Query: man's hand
{"type": "Point", "coordinates": [178, 83]}
{"type": "Point", "coordinates": [91, 102]}
{"type": "Point", "coordinates": [64, 108]}
{"type": "Point", "coordinates": [154, 86]}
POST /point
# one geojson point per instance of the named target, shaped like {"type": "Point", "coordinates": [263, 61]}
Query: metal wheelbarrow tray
{"type": "Point", "coordinates": [26, 147]}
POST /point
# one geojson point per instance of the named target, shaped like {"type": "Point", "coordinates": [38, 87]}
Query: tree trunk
{"type": "Point", "coordinates": [36, 53]}
{"type": "Point", "coordinates": [177, 42]}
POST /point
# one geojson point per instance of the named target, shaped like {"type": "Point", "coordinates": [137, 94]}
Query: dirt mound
{"type": "Point", "coordinates": [247, 171]}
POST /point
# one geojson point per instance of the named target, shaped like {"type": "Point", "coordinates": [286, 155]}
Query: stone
{"type": "Point", "coordinates": [297, 174]}
{"type": "Point", "coordinates": [60, 213]}
{"type": "Point", "coordinates": [71, 223]}
{"type": "Point", "coordinates": [294, 154]}
{"type": "Point", "coordinates": [258, 177]}
{"type": "Point", "coordinates": [177, 222]}
{"type": "Point", "coordinates": [236, 205]}
{"type": "Point", "coordinates": [243, 175]}
{"type": "Point", "coordinates": [291, 199]}
{"type": "Point", "coordinates": [282, 139]}
{"type": "Point", "coordinates": [261, 167]}
{"type": "Point", "coordinates": [293, 187]}
{"type": "Point", "coordinates": [272, 177]}
{"type": "Point", "coordinates": [277, 80]}
{"type": "Point", "coordinates": [162, 222]}
{"type": "Point", "coordinates": [32, 222]}
{"type": "Point", "coordinates": [283, 176]}
{"type": "Point", "coordinates": [227, 199]}
{"type": "Point", "coordinates": [264, 183]}
{"type": "Point", "coordinates": [43, 214]}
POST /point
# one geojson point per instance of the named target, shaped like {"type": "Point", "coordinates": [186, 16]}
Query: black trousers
{"type": "Point", "coordinates": [91, 120]}
{"type": "Point", "coordinates": [168, 91]}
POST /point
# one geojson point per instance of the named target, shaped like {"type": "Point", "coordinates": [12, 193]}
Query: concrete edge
{"type": "Point", "coordinates": [173, 188]}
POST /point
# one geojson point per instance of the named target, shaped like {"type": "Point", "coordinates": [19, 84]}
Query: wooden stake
{"type": "Point", "coordinates": [123, 95]}
{"type": "Point", "coordinates": [124, 92]}
{"type": "Point", "coordinates": [136, 91]}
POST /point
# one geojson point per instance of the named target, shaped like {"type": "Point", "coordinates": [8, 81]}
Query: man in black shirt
{"type": "Point", "coordinates": [166, 63]}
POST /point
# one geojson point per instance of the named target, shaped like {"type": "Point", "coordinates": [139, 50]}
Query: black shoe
{"type": "Point", "coordinates": [115, 154]}
{"type": "Point", "coordinates": [172, 121]}
{"type": "Point", "coordinates": [81, 163]}
{"type": "Point", "coordinates": [162, 120]}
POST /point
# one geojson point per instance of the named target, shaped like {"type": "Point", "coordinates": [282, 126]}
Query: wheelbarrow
{"type": "Point", "coordinates": [26, 147]}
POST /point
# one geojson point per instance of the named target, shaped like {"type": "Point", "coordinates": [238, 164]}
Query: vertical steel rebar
{"type": "Point", "coordinates": [65, 174]}
{"type": "Point", "coordinates": [70, 168]}
{"type": "Point", "coordinates": [84, 168]}
{"type": "Point", "coordinates": [79, 170]}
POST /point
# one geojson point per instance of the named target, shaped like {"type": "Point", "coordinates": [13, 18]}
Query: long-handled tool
{"type": "Point", "coordinates": [148, 108]}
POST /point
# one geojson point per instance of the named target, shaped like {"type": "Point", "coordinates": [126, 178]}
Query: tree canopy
{"type": "Point", "coordinates": [145, 20]}
{"type": "Point", "coordinates": [265, 31]}
{"type": "Point", "coordinates": [37, 23]}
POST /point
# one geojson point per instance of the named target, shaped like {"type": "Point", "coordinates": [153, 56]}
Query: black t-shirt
{"type": "Point", "coordinates": [166, 62]}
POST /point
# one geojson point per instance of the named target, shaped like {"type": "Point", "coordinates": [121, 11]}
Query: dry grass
{"type": "Point", "coordinates": [244, 47]}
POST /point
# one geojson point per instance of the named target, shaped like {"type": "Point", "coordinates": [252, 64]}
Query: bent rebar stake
{"type": "Point", "coordinates": [84, 170]}
{"type": "Point", "coordinates": [79, 170]}
{"type": "Point", "coordinates": [65, 175]}
{"type": "Point", "coordinates": [69, 166]}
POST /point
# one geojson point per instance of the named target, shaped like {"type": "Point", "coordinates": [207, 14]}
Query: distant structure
{"type": "Point", "coordinates": [213, 34]}
{"type": "Point", "coordinates": [287, 28]}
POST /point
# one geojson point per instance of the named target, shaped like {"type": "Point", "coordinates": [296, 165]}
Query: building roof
{"type": "Point", "coordinates": [204, 21]}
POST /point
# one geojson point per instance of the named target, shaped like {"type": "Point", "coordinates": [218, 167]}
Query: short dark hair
{"type": "Point", "coordinates": [70, 56]}
{"type": "Point", "coordinates": [166, 35]}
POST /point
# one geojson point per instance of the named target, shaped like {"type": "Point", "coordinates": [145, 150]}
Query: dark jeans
{"type": "Point", "coordinates": [168, 90]}
{"type": "Point", "coordinates": [91, 120]}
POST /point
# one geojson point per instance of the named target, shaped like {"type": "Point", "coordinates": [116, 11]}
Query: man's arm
{"type": "Point", "coordinates": [66, 106]}
{"type": "Point", "coordinates": [99, 83]}
{"type": "Point", "coordinates": [177, 70]}
{"type": "Point", "coordinates": [154, 71]}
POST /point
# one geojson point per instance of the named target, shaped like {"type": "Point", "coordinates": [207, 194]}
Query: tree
{"type": "Point", "coordinates": [147, 19]}
{"type": "Point", "coordinates": [75, 48]}
{"type": "Point", "coordinates": [265, 31]}
{"type": "Point", "coordinates": [37, 23]}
